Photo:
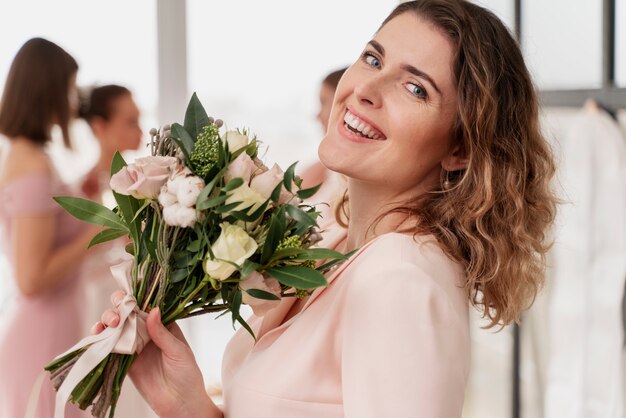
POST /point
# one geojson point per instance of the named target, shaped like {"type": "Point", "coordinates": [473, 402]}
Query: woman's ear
{"type": "Point", "coordinates": [98, 126]}
{"type": "Point", "coordinates": [456, 160]}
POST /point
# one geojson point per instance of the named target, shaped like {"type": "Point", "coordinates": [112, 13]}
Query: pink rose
{"type": "Point", "coordinates": [143, 178]}
{"type": "Point", "coordinates": [242, 166]}
{"type": "Point", "coordinates": [255, 280]}
{"type": "Point", "coordinates": [264, 184]}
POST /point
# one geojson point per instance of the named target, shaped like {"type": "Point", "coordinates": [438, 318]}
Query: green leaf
{"type": "Point", "coordinates": [91, 212]}
{"type": "Point", "coordinates": [319, 254]}
{"type": "Point", "coordinates": [306, 193]}
{"type": "Point", "coordinates": [183, 139]}
{"type": "Point", "coordinates": [286, 253]}
{"type": "Point", "coordinates": [289, 175]}
{"type": "Point", "coordinates": [106, 235]}
{"type": "Point", "coordinates": [195, 246]}
{"type": "Point", "coordinates": [327, 266]}
{"type": "Point", "coordinates": [236, 304]}
{"type": "Point", "coordinates": [300, 216]}
{"type": "Point", "coordinates": [229, 207]}
{"type": "Point", "coordinates": [209, 203]}
{"type": "Point", "coordinates": [204, 194]}
{"type": "Point", "coordinates": [242, 214]}
{"type": "Point", "coordinates": [246, 326]}
{"type": "Point", "coordinates": [195, 117]}
{"type": "Point", "coordinates": [298, 277]}
{"type": "Point", "coordinates": [179, 275]}
{"type": "Point", "coordinates": [262, 294]}
{"type": "Point", "coordinates": [275, 234]}
{"type": "Point", "coordinates": [128, 205]}
{"type": "Point", "coordinates": [276, 192]}
{"type": "Point", "coordinates": [233, 184]}
{"type": "Point", "coordinates": [248, 267]}
{"type": "Point", "coordinates": [117, 163]}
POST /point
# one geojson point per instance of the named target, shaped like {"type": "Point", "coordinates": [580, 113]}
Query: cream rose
{"type": "Point", "coordinates": [144, 178]}
{"type": "Point", "coordinates": [264, 184]}
{"type": "Point", "coordinates": [255, 280]}
{"type": "Point", "coordinates": [241, 167]}
{"type": "Point", "coordinates": [235, 140]}
{"type": "Point", "coordinates": [234, 245]}
{"type": "Point", "coordinates": [247, 197]}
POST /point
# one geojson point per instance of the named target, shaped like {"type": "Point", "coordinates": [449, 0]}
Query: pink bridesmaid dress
{"type": "Point", "coordinates": [389, 337]}
{"type": "Point", "coordinates": [36, 329]}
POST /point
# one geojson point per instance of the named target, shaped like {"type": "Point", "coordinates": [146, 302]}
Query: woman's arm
{"type": "Point", "coordinates": [38, 265]}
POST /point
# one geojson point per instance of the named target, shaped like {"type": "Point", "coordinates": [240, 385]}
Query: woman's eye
{"type": "Point", "coordinates": [372, 61]}
{"type": "Point", "coordinates": [416, 90]}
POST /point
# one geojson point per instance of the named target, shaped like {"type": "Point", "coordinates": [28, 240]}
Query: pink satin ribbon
{"type": "Point", "coordinates": [129, 337]}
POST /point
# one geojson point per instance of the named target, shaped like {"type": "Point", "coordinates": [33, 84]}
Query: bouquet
{"type": "Point", "coordinates": [210, 227]}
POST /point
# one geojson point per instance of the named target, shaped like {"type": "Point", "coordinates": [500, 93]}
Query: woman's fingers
{"type": "Point", "coordinates": [110, 318]}
{"type": "Point", "coordinates": [117, 297]}
{"type": "Point", "coordinates": [169, 344]}
{"type": "Point", "coordinates": [97, 328]}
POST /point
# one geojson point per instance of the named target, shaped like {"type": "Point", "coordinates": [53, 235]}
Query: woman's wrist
{"type": "Point", "coordinates": [202, 407]}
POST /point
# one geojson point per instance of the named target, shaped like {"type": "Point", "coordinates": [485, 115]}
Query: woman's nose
{"type": "Point", "coordinates": [368, 92]}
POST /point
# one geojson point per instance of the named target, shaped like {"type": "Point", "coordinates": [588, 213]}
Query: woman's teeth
{"type": "Point", "coordinates": [360, 127]}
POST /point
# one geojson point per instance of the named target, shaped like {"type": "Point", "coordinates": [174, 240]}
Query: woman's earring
{"type": "Point", "coordinates": [447, 184]}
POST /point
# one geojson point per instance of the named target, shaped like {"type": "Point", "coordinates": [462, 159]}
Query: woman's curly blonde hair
{"type": "Point", "coordinates": [493, 216]}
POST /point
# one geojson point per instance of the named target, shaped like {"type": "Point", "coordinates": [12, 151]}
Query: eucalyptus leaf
{"type": "Point", "coordinates": [307, 193]}
{"type": "Point", "coordinates": [233, 184]}
{"type": "Point", "coordinates": [204, 194]}
{"type": "Point", "coordinates": [262, 294]}
{"type": "Point", "coordinates": [91, 212]}
{"type": "Point", "coordinates": [289, 175]}
{"type": "Point", "coordinates": [209, 203]}
{"type": "Point", "coordinates": [107, 235]}
{"type": "Point", "coordinates": [248, 267]}
{"type": "Point", "coordinates": [179, 275]}
{"type": "Point", "coordinates": [298, 277]}
{"type": "Point", "coordinates": [300, 216]}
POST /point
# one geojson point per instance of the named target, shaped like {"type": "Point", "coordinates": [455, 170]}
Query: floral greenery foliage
{"type": "Point", "coordinates": [204, 194]}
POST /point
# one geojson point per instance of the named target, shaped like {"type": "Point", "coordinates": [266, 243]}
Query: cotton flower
{"type": "Point", "coordinates": [178, 198]}
{"type": "Point", "coordinates": [234, 245]}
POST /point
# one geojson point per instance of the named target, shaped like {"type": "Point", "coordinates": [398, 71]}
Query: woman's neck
{"type": "Point", "coordinates": [369, 217]}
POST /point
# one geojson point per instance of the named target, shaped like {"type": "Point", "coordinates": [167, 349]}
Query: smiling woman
{"type": "Point", "coordinates": [436, 128]}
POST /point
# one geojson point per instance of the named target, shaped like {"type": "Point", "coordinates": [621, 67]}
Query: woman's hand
{"type": "Point", "coordinates": [165, 372]}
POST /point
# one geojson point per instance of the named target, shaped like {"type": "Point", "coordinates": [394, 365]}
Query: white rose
{"type": "Point", "coordinates": [264, 184]}
{"type": "Point", "coordinates": [235, 140]}
{"type": "Point", "coordinates": [247, 197]}
{"type": "Point", "coordinates": [233, 245]}
{"type": "Point", "coordinates": [255, 280]}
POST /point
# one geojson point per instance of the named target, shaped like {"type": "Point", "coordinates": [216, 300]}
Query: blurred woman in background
{"type": "Point", "coordinates": [45, 245]}
{"type": "Point", "coordinates": [333, 184]}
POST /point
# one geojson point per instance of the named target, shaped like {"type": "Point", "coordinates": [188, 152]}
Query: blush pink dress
{"type": "Point", "coordinates": [34, 330]}
{"type": "Point", "coordinates": [389, 337]}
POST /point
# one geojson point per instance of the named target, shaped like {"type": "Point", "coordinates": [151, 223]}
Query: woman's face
{"type": "Point", "coordinates": [392, 118]}
{"type": "Point", "coordinates": [122, 131]}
